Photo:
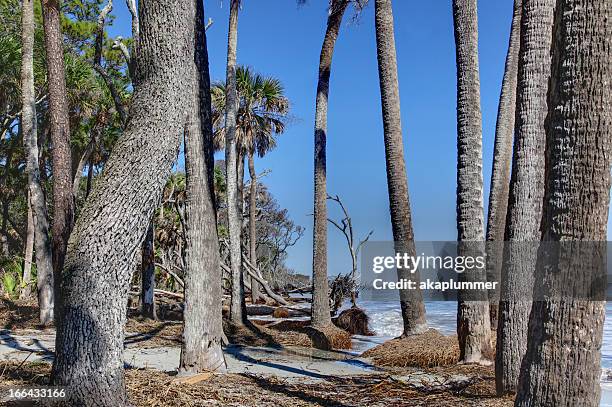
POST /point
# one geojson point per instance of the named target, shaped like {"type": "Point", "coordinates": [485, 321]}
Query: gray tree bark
{"type": "Point", "coordinates": [255, 289]}
{"type": "Point", "coordinates": [562, 364]}
{"type": "Point", "coordinates": [526, 191]}
{"type": "Point", "coordinates": [26, 290]}
{"type": "Point", "coordinates": [59, 129]}
{"type": "Point", "coordinates": [320, 291]}
{"type": "Point", "coordinates": [42, 244]}
{"type": "Point", "coordinates": [203, 326]}
{"type": "Point", "coordinates": [502, 160]}
{"type": "Point", "coordinates": [113, 223]}
{"type": "Point", "coordinates": [411, 301]}
{"type": "Point", "coordinates": [237, 305]}
{"type": "Point", "coordinates": [147, 268]}
{"type": "Point", "coordinates": [473, 324]}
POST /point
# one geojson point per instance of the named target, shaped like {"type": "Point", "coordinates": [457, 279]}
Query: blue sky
{"type": "Point", "coordinates": [278, 38]}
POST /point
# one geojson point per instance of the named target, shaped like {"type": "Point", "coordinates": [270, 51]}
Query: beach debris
{"type": "Point", "coordinates": [355, 321]}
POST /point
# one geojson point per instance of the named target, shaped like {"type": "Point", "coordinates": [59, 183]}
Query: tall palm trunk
{"type": "Point", "coordinates": [320, 298]}
{"type": "Point", "coordinates": [63, 200]}
{"type": "Point", "coordinates": [203, 330]}
{"type": "Point", "coordinates": [115, 218]}
{"type": "Point", "coordinates": [473, 324]}
{"type": "Point", "coordinates": [502, 158]}
{"type": "Point", "coordinates": [42, 245]}
{"type": "Point", "coordinates": [413, 307]}
{"type": "Point", "coordinates": [26, 290]}
{"type": "Point", "coordinates": [255, 289]}
{"type": "Point", "coordinates": [526, 191]}
{"type": "Point", "coordinates": [562, 365]}
{"type": "Point", "coordinates": [237, 305]}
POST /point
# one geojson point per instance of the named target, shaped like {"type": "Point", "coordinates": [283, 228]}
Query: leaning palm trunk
{"type": "Point", "coordinates": [526, 191]}
{"type": "Point", "coordinates": [320, 298]}
{"type": "Point", "coordinates": [114, 220]}
{"type": "Point", "coordinates": [562, 365]}
{"type": "Point", "coordinates": [412, 305]}
{"type": "Point", "coordinates": [203, 330]}
{"type": "Point", "coordinates": [237, 306]}
{"type": "Point", "coordinates": [502, 157]}
{"type": "Point", "coordinates": [42, 244]}
{"type": "Point", "coordinates": [255, 290]}
{"type": "Point", "coordinates": [63, 200]}
{"type": "Point", "coordinates": [473, 325]}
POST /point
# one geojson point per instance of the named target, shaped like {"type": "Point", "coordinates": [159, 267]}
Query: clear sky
{"type": "Point", "coordinates": [278, 38]}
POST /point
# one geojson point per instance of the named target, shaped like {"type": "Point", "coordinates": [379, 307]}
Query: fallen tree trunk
{"type": "Point", "coordinates": [256, 274]}
{"type": "Point", "coordinates": [301, 290]}
{"type": "Point", "coordinates": [261, 281]}
{"type": "Point", "coordinates": [162, 292]}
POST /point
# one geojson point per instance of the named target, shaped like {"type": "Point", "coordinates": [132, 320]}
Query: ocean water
{"type": "Point", "coordinates": [386, 321]}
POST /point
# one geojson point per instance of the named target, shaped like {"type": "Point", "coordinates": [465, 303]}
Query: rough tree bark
{"type": "Point", "coordinates": [562, 364]}
{"type": "Point", "coordinates": [502, 160]}
{"type": "Point", "coordinates": [113, 223]}
{"type": "Point", "coordinates": [255, 289]}
{"type": "Point", "coordinates": [320, 297]}
{"type": "Point", "coordinates": [473, 324]}
{"type": "Point", "coordinates": [237, 305]}
{"type": "Point", "coordinates": [147, 269]}
{"type": "Point", "coordinates": [42, 244]}
{"type": "Point", "coordinates": [526, 191]}
{"type": "Point", "coordinates": [411, 301]}
{"type": "Point", "coordinates": [203, 328]}
{"type": "Point", "coordinates": [59, 129]}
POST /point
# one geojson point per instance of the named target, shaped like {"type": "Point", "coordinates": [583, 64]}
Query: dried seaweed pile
{"type": "Point", "coordinates": [288, 333]}
{"type": "Point", "coordinates": [428, 349]}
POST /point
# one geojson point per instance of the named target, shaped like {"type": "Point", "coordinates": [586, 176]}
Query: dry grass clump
{"type": "Point", "coordinates": [428, 349]}
{"type": "Point", "coordinates": [333, 337]}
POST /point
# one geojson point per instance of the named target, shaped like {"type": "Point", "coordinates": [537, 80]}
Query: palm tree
{"type": "Point", "coordinates": [502, 158]}
{"type": "Point", "coordinates": [562, 365]}
{"type": "Point", "coordinates": [44, 263]}
{"type": "Point", "coordinates": [237, 305]}
{"type": "Point", "coordinates": [412, 305]}
{"type": "Point", "coordinates": [203, 327]}
{"type": "Point", "coordinates": [473, 324]}
{"type": "Point", "coordinates": [63, 200]}
{"type": "Point", "coordinates": [526, 191]}
{"type": "Point", "coordinates": [320, 298]}
{"type": "Point", "coordinates": [261, 115]}
{"type": "Point", "coordinates": [115, 218]}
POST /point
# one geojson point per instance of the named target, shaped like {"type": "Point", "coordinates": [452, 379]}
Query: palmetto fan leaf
{"type": "Point", "coordinates": [262, 112]}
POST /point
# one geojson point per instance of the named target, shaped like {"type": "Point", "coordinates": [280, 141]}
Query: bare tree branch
{"type": "Point", "coordinates": [171, 273]}
{"type": "Point", "coordinates": [131, 5]}
{"type": "Point", "coordinates": [208, 24]}
{"type": "Point", "coordinates": [347, 231]}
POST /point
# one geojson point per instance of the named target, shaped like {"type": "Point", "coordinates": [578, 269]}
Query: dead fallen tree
{"type": "Point", "coordinates": [159, 292]}
{"type": "Point", "coordinates": [249, 268]}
